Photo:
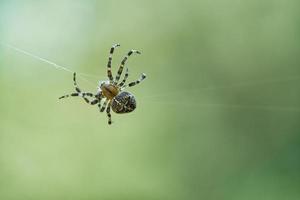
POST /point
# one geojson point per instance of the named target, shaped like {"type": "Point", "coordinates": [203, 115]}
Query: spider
{"type": "Point", "coordinates": [111, 91]}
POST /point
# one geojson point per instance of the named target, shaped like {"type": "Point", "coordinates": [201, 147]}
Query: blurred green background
{"type": "Point", "coordinates": [217, 117]}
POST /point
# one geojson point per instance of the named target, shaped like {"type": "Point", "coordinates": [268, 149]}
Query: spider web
{"type": "Point", "coordinates": [160, 98]}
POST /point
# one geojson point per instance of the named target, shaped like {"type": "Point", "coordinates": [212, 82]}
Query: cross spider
{"type": "Point", "coordinates": [111, 91]}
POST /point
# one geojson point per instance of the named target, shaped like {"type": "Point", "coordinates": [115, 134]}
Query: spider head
{"type": "Point", "coordinates": [124, 102]}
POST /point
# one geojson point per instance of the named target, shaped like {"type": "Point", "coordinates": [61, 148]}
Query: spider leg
{"type": "Point", "coordinates": [109, 74]}
{"type": "Point", "coordinates": [98, 98]}
{"type": "Point", "coordinates": [125, 78]}
{"type": "Point", "coordinates": [99, 105]}
{"type": "Point", "coordinates": [79, 93]}
{"type": "Point", "coordinates": [123, 63]}
{"type": "Point", "coordinates": [88, 94]}
{"type": "Point", "coordinates": [94, 102]}
{"type": "Point", "coordinates": [141, 78]}
{"type": "Point", "coordinates": [108, 113]}
{"type": "Point", "coordinates": [68, 95]}
{"type": "Point", "coordinates": [104, 105]}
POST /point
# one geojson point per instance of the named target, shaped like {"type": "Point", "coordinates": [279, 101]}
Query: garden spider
{"type": "Point", "coordinates": [111, 91]}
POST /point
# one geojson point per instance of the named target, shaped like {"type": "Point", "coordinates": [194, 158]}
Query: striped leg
{"type": "Point", "coordinates": [125, 78]}
{"type": "Point", "coordinates": [104, 105]}
{"type": "Point", "coordinates": [99, 105]}
{"type": "Point", "coordinates": [79, 93]}
{"type": "Point", "coordinates": [109, 74]}
{"type": "Point", "coordinates": [75, 95]}
{"type": "Point", "coordinates": [142, 77]}
{"type": "Point", "coordinates": [83, 94]}
{"type": "Point", "coordinates": [123, 63]}
{"type": "Point", "coordinates": [108, 113]}
{"type": "Point", "coordinates": [68, 95]}
{"type": "Point", "coordinates": [95, 101]}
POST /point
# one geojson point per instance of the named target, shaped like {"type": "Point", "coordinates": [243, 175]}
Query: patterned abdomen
{"type": "Point", "coordinates": [123, 103]}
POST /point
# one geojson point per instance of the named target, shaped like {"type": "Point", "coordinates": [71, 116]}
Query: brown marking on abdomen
{"type": "Point", "coordinates": [110, 91]}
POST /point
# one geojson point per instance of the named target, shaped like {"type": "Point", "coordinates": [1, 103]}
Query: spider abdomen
{"type": "Point", "coordinates": [124, 102]}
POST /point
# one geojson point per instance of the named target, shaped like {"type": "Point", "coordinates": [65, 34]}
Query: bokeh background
{"type": "Point", "coordinates": [217, 117]}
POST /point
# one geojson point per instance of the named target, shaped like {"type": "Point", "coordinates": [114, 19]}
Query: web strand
{"type": "Point", "coordinates": [229, 106]}
{"type": "Point", "coordinates": [56, 66]}
{"type": "Point", "coordinates": [211, 88]}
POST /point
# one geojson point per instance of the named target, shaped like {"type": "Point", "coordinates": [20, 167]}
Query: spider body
{"type": "Point", "coordinates": [121, 102]}
{"type": "Point", "coordinates": [110, 94]}
{"type": "Point", "coordinates": [109, 90]}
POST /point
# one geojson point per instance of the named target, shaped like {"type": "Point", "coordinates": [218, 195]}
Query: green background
{"type": "Point", "coordinates": [217, 117]}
